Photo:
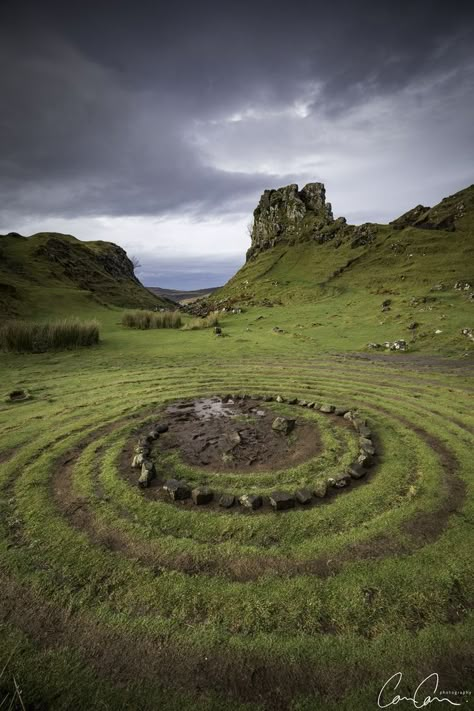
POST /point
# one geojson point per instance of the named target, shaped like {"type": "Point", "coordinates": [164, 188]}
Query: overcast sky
{"type": "Point", "coordinates": [158, 125]}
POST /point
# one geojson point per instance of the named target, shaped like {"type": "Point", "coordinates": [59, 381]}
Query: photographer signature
{"type": "Point", "coordinates": [420, 691]}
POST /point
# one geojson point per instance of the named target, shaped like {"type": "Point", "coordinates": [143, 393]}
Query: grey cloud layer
{"type": "Point", "coordinates": [101, 104]}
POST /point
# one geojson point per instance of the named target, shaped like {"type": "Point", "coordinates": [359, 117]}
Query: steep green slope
{"type": "Point", "coordinates": [50, 273]}
{"type": "Point", "coordinates": [425, 273]}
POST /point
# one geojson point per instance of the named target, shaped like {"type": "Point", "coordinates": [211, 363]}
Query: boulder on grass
{"type": "Point", "coordinates": [339, 481]}
{"type": "Point", "coordinates": [227, 501]}
{"type": "Point", "coordinates": [281, 500]}
{"type": "Point", "coordinates": [283, 424]}
{"type": "Point", "coordinates": [365, 460]}
{"type": "Point", "coordinates": [251, 501]}
{"type": "Point", "coordinates": [202, 495]}
{"type": "Point", "coordinates": [177, 490]}
{"type": "Point", "coordinates": [356, 471]}
{"type": "Point", "coordinates": [327, 408]}
{"type": "Point", "coordinates": [303, 496]}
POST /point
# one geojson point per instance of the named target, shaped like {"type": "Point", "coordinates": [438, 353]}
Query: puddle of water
{"type": "Point", "coordinates": [203, 409]}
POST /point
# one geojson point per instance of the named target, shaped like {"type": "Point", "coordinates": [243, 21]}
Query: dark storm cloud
{"type": "Point", "coordinates": [101, 104]}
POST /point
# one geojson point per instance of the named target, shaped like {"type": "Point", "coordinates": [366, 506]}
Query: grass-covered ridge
{"type": "Point", "coordinates": [50, 272]}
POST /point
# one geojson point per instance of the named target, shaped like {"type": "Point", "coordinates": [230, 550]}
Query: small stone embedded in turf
{"type": "Point", "coordinates": [327, 408]}
{"type": "Point", "coordinates": [202, 495]}
{"type": "Point", "coordinates": [283, 424]}
{"type": "Point", "coordinates": [279, 398]}
{"type": "Point", "coordinates": [320, 489]}
{"type": "Point", "coordinates": [311, 405]}
{"type": "Point", "coordinates": [251, 501]}
{"type": "Point", "coordinates": [281, 500]}
{"type": "Point", "coordinates": [227, 501]}
{"type": "Point", "coordinates": [340, 411]}
{"type": "Point", "coordinates": [302, 403]}
{"type": "Point", "coordinates": [349, 415]}
{"type": "Point", "coordinates": [303, 496]}
{"type": "Point", "coordinates": [365, 440]}
{"type": "Point", "coordinates": [292, 401]}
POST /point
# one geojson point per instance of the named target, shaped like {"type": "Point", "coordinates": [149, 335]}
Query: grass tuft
{"type": "Point", "coordinates": [197, 324]}
{"type": "Point", "coordinates": [151, 319]}
{"type": "Point", "coordinates": [25, 337]}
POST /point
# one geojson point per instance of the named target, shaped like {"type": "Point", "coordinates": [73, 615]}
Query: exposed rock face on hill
{"type": "Point", "coordinates": [291, 215]}
{"type": "Point", "coordinates": [102, 271]}
{"type": "Point", "coordinates": [441, 217]}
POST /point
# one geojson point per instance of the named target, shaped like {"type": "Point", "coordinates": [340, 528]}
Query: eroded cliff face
{"type": "Point", "coordinates": [292, 215]}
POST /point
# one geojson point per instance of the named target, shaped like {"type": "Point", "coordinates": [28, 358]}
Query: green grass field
{"type": "Point", "coordinates": [110, 600]}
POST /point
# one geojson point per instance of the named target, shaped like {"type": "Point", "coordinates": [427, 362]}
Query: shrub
{"type": "Point", "coordinates": [209, 321]}
{"type": "Point", "coordinates": [152, 319]}
{"type": "Point", "coordinates": [26, 337]}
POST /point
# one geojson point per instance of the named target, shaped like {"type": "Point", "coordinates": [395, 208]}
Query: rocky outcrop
{"type": "Point", "coordinates": [292, 215]}
{"type": "Point", "coordinates": [440, 217]}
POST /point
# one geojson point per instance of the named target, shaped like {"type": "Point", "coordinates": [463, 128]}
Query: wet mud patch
{"type": "Point", "coordinates": [235, 436]}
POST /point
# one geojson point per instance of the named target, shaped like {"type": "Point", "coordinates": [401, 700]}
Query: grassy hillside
{"type": "Point", "coordinates": [51, 273]}
{"type": "Point", "coordinates": [339, 289]}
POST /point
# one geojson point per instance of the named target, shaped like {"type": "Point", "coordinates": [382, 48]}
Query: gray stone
{"type": "Point", "coordinates": [283, 424]}
{"type": "Point", "coordinates": [202, 495]}
{"type": "Point", "coordinates": [227, 501]}
{"type": "Point", "coordinates": [267, 398]}
{"type": "Point", "coordinates": [281, 500]}
{"type": "Point", "coordinates": [137, 461]}
{"type": "Point", "coordinates": [303, 496]}
{"type": "Point", "coordinates": [341, 411]}
{"type": "Point", "coordinates": [364, 431]}
{"type": "Point", "coordinates": [279, 398]}
{"type": "Point", "coordinates": [339, 481]}
{"type": "Point", "coordinates": [292, 401]}
{"type": "Point", "coordinates": [349, 415]}
{"type": "Point", "coordinates": [177, 490]}
{"type": "Point", "coordinates": [251, 501]}
{"type": "Point", "coordinates": [302, 403]}
{"type": "Point", "coordinates": [320, 489]}
{"type": "Point", "coordinates": [365, 460]}
{"type": "Point", "coordinates": [327, 408]}
{"type": "Point", "coordinates": [311, 405]}
{"type": "Point", "coordinates": [148, 465]}
{"type": "Point", "coordinates": [144, 479]}
{"type": "Point", "coordinates": [161, 428]}
{"type": "Point", "coordinates": [356, 471]}
{"type": "Point", "coordinates": [365, 440]}
{"type": "Point", "coordinates": [367, 449]}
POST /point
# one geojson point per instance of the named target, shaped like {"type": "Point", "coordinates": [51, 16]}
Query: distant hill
{"type": "Point", "coordinates": [50, 272]}
{"type": "Point", "coordinates": [412, 278]}
{"type": "Point", "coordinates": [182, 296]}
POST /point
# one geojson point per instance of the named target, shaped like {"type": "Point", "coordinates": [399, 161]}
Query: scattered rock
{"type": "Point", "coordinates": [227, 501]}
{"type": "Point", "coordinates": [144, 479]}
{"type": "Point", "coordinates": [411, 326]}
{"type": "Point", "coordinates": [462, 286]}
{"type": "Point", "coordinates": [177, 490]}
{"type": "Point", "coordinates": [251, 501]}
{"type": "Point", "coordinates": [327, 408]}
{"type": "Point", "coordinates": [276, 329]}
{"type": "Point", "coordinates": [356, 471]}
{"type": "Point", "coordinates": [341, 411]}
{"type": "Point", "coordinates": [293, 401]}
{"type": "Point", "coordinates": [218, 330]}
{"type": "Point", "coordinates": [375, 346]}
{"type": "Point", "coordinates": [283, 424]}
{"type": "Point", "coordinates": [161, 428]}
{"type": "Point", "coordinates": [281, 500]}
{"type": "Point", "coordinates": [367, 449]}
{"type": "Point", "coordinates": [137, 461]}
{"type": "Point", "coordinates": [468, 332]}
{"type": "Point", "coordinates": [279, 398]}
{"type": "Point", "coordinates": [339, 481]}
{"type": "Point", "coordinates": [202, 495]}
{"type": "Point", "coordinates": [303, 496]}
{"type": "Point", "coordinates": [365, 460]}
{"type": "Point", "coordinates": [438, 331]}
